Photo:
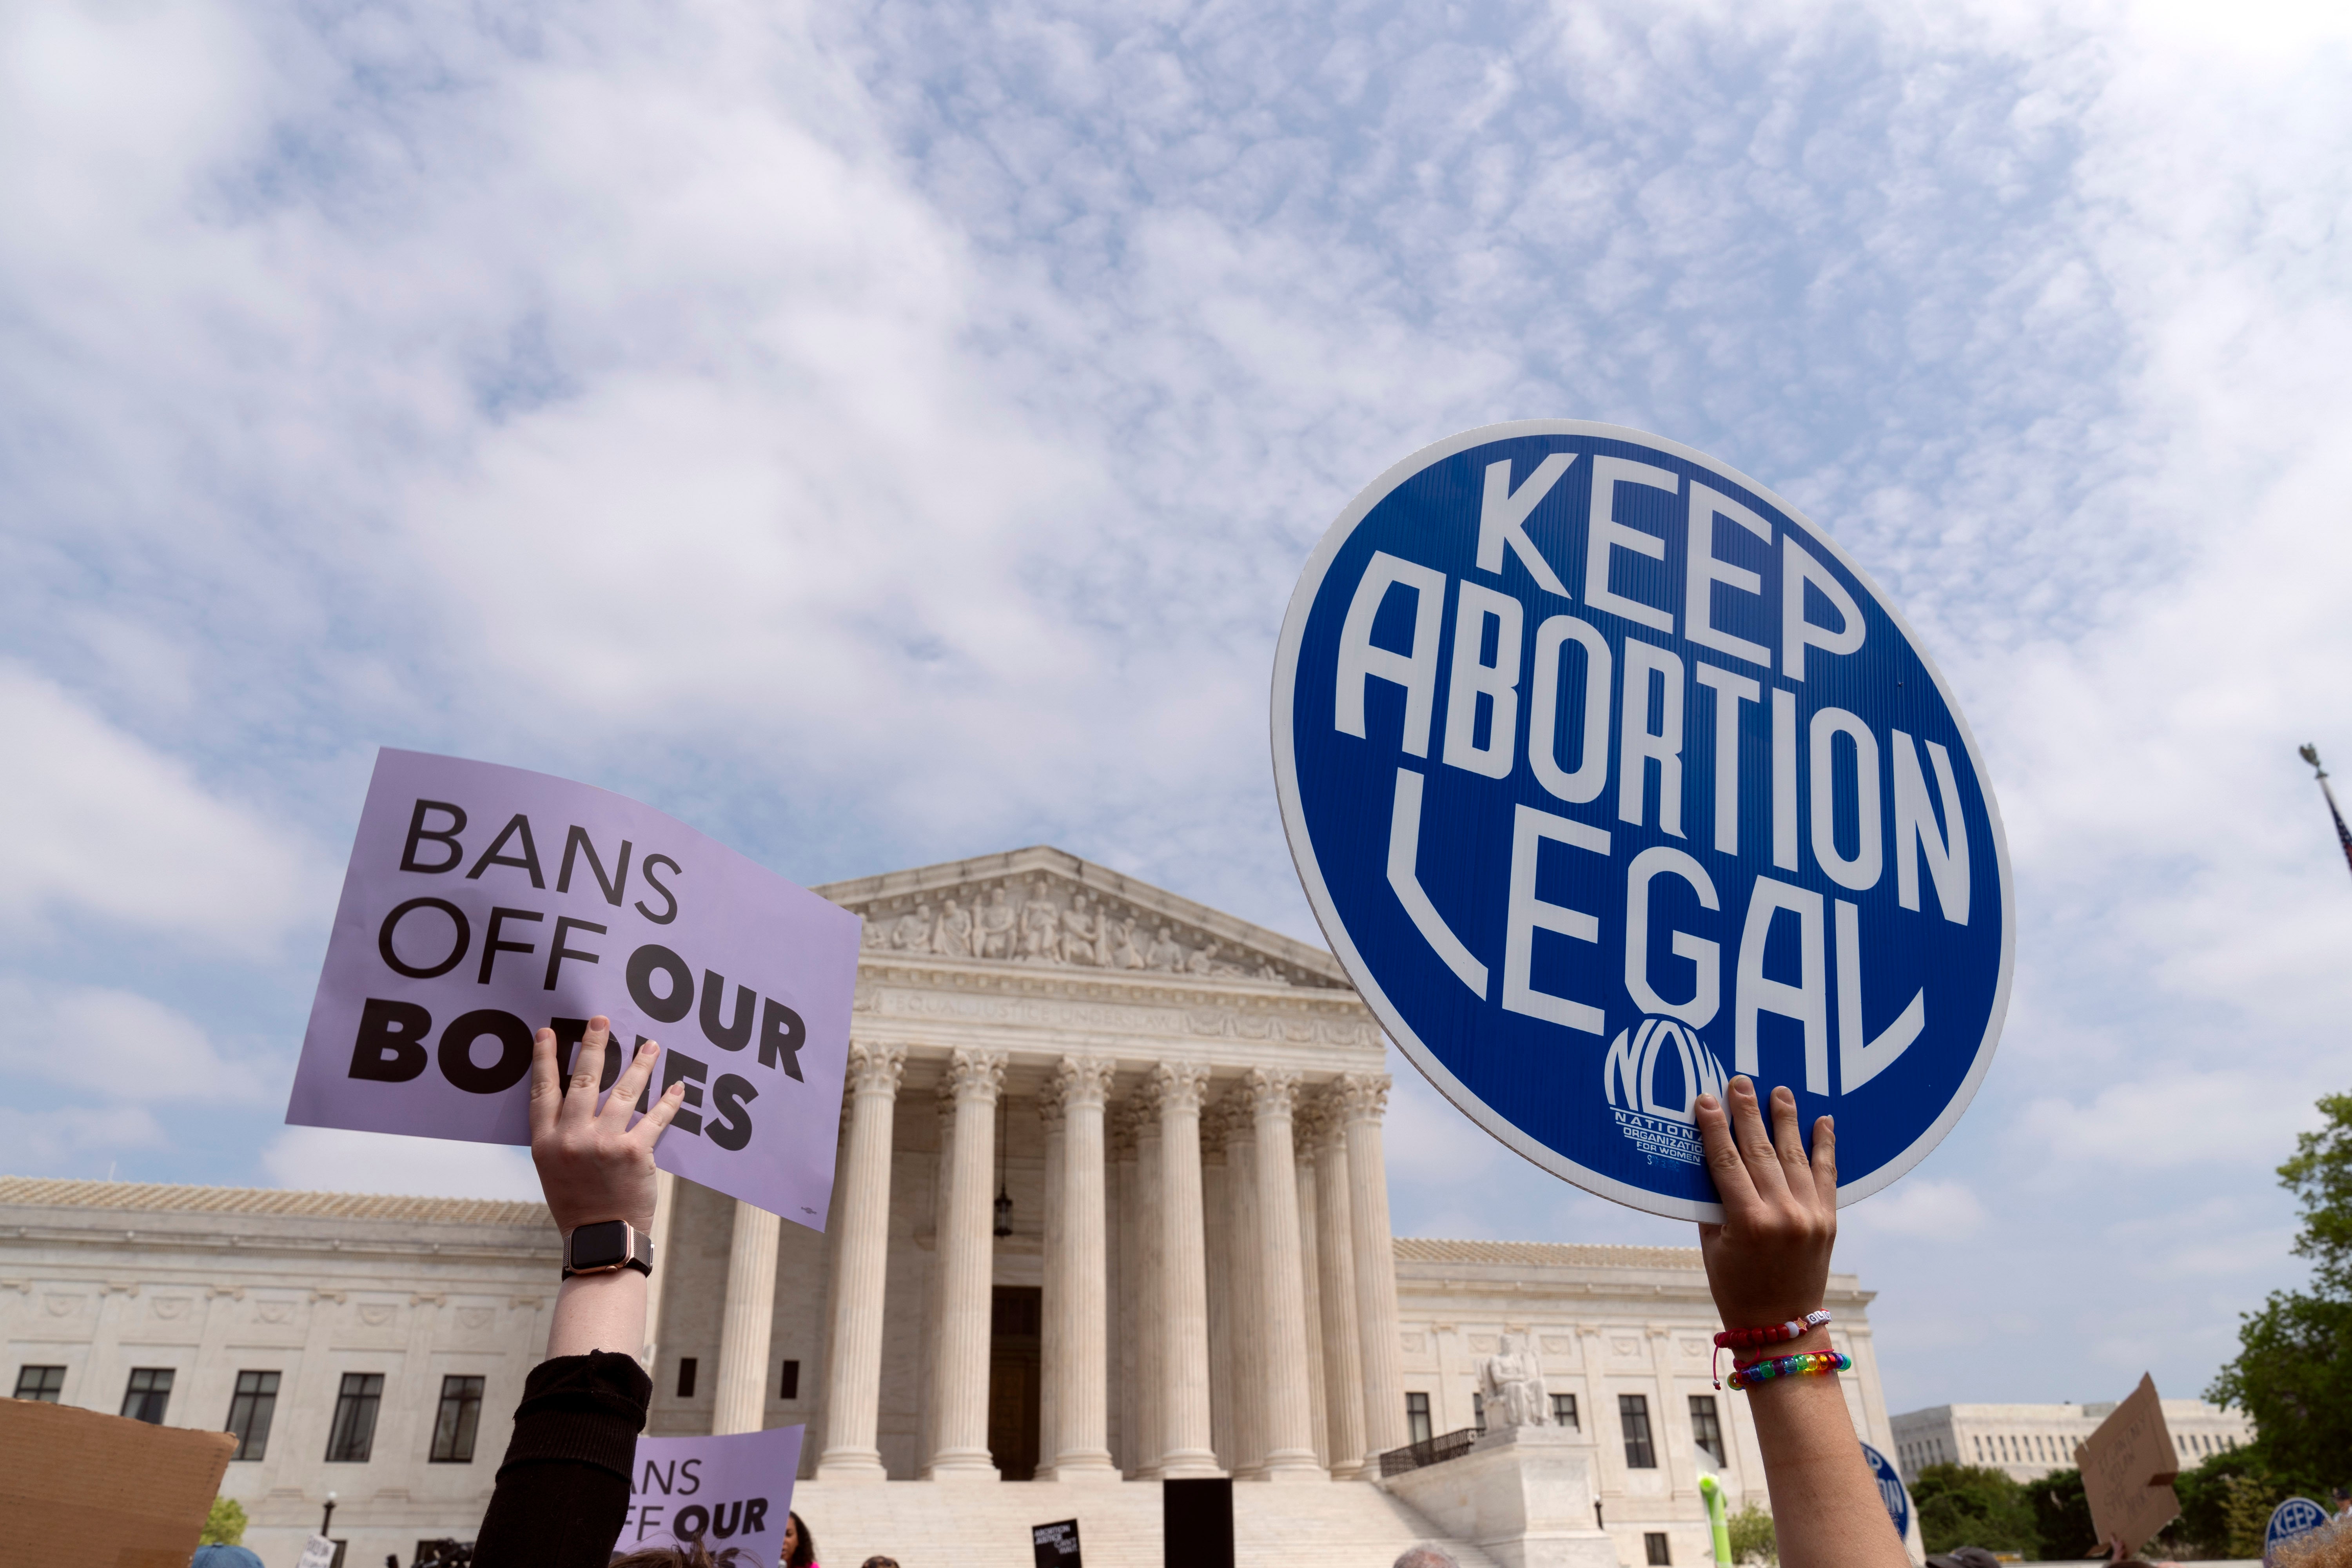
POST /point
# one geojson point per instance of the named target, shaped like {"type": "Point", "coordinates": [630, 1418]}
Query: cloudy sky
{"type": "Point", "coordinates": [883, 433]}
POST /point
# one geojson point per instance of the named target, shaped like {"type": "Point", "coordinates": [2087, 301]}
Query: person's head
{"type": "Point", "coordinates": [800, 1546]}
{"type": "Point", "coordinates": [1426, 1557]}
{"type": "Point", "coordinates": [2330, 1547]}
{"type": "Point", "coordinates": [220, 1556]}
{"type": "Point", "coordinates": [879, 1561]}
{"type": "Point", "coordinates": [691, 1556]}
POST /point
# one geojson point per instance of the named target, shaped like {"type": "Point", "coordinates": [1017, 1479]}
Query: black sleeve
{"type": "Point", "coordinates": [563, 1490]}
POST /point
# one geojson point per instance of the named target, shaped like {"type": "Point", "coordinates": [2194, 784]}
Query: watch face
{"type": "Point", "coordinates": [605, 1245]}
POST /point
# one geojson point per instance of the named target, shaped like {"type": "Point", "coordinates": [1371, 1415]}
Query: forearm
{"type": "Point", "coordinates": [599, 1312]}
{"type": "Point", "coordinates": [1826, 1510]}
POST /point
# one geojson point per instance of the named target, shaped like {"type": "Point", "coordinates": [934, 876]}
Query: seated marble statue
{"type": "Point", "coordinates": [1511, 1385]}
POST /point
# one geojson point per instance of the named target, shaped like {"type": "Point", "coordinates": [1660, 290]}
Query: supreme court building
{"type": "Point", "coordinates": [1111, 1206]}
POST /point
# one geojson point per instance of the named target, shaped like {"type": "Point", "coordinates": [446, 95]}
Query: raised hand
{"type": "Point", "coordinates": [1769, 1261]}
{"type": "Point", "coordinates": [593, 1165]}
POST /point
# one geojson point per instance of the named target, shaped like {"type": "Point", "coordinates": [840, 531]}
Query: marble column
{"type": "Point", "coordinates": [741, 1401]}
{"type": "Point", "coordinates": [1077, 1392]}
{"type": "Point", "coordinates": [664, 1205]}
{"type": "Point", "coordinates": [861, 1244]}
{"type": "Point", "coordinates": [1289, 1420]}
{"type": "Point", "coordinates": [967, 1260]}
{"type": "Point", "coordinates": [1151, 1306]}
{"type": "Point", "coordinates": [1054, 1290]}
{"type": "Point", "coordinates": [1244, 1288]}
{"type": "Point", "coordinates": [1343, 1359]}
{"type": "Point", "coordinates": [1362, 1098]}
{"type": "Point", "coordinates": [1214, 1203]}
{"type": "Point", "coordinates": [1303, 1124]}
{"type": "Point", "coordinates": [1177, 1088]}
{"type": "Point", "coordinates": [943, 1111]}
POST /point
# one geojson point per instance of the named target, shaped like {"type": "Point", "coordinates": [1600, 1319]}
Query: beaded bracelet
{"type": "Point", "coordinates": [1813, 1364]}
{"type": "Point", "coordinates": [1737, 1340]}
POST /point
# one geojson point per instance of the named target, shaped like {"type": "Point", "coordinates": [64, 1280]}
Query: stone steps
{"type": "Point", "coordinates": [1344, 1524]}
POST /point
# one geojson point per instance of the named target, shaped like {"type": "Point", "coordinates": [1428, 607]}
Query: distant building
{"type": "Point", "coordinates": [2030, 1441]}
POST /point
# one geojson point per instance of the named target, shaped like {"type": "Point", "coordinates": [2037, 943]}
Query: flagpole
{"type": "Point", "coordinates": [2343, 834]}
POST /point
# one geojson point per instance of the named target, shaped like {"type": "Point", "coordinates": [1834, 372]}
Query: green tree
{"type": "Point", "coordinates": [1752, 1540]}
{"type": "Point", "coordinates": [2061, 1516]}
{"type": "Point", "coordinates": [1973, 1505]}
{"type": "Point", "coordinates": [225, 1526]}
{"type": "Point", "coordinates": [2204, 1527]}
{"type": "Point", "coordinates": [2248, 1512]}
{"type": "Point", "coordinates": [2293, 1374]}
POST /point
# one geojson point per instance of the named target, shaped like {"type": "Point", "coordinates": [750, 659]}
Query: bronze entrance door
{"type": "Point", "coordinates": [1015, 1348]}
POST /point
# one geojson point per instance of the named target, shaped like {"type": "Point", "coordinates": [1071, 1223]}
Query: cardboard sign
{"type": "Point", "coordinates": [1609, 774]}
{"type": "Point", "coordinates": [1056, 1545]}
{"type": "Point", "coordinates": [2128, 1467]}
{"type": "Point", "coordinates": [483, 903]}
{"type": "Point", "coordinates": [319, 1551]}
{"type": "Point", "coordinates": [119, 1493]}
{"type": "Point", "coordinates": [732, 1494]}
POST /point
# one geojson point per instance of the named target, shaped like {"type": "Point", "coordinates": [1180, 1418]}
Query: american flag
{"type": "Point", "coordinates": [2343, 834]}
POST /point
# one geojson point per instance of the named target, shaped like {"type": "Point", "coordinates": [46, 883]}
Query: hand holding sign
{"type": "Point", "coordinates": [593, 1165]}
{"type": "Point", "coordinates": [1768, 1262]}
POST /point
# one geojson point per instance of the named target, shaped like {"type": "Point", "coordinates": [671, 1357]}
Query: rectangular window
{"type": "Point", "coordinates": [352, 1437]}
{"type": "Point", "coordinates": [1563, 1411]}
{"type": "Point", "coordinates": [1478, 1410]}
{"type": "Point", "coordinates": [150, 1391]}
{"type": "Point", "coordinates": [686, 1377]}
{"type": "Point", "coordinates": [1707, 1429]}
{"type": "Point", "coordinates": [1416, 1418]}
{"type": "Point", "coordinates": [1633, 1414]}
{"type": "Point", "coordinates": [250, 1410]}
{"type": "Point", "coordinates": [461, 1415]}
{"type": "Point", "coordinates": [792, 1385]}
{"type": "Point", "coordinates": [1653, 1546]}
{"type": "Point", "coordinates": [45, 1384]}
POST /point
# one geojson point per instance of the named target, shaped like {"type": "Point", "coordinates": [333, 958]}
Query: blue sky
{"type": "Point", "coordinates": [887, 433]}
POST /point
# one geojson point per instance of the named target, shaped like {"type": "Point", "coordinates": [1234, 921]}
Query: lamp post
{"type": "Point", "coordinates": [326, 1519]}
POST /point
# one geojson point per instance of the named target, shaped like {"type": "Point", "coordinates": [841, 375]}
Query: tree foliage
{"type": "Point", "coordinates": [1752, 1540]}
{"type": "Point", "coordinates": [1973, 1505]}
{"type": "Point", "coordinates": [2062, 1515]}
{"type": "Point", "coordinates": [225, 1526]}
{"type": "Point", "coordinates": [2204, 1527]}
{"type": "Point", "coordinates": [2293, 1372]}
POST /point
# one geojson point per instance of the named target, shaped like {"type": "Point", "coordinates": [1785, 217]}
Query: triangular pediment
{"type": "Point", "coordinates": [1041, 906]}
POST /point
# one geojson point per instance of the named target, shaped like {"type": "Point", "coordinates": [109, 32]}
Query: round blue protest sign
{"type": "Point", "coordinates": [1890, 1489]}
{"type": "Point", "coordinates": [2297, 1516]}
{"type": "Point", "coordinates": [1609, 774]}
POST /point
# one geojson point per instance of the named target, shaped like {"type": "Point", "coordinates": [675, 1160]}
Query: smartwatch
{"type": "Point", "coordinates": [607, 1246]}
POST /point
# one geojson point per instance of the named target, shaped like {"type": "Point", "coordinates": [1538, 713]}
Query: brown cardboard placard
{"type": "Point", "coordinates": [125, 1494]}
{"type": "Point", "coordinates": [2128, 1469]}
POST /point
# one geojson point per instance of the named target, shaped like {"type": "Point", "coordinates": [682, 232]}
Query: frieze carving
{"type": "Point", "coordinates": [1054, 921]}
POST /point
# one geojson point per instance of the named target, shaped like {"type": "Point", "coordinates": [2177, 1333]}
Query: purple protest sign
{"type": "Point", "coordinates": [484, 903]}
{"type": "Point", "coordinates": [732, 1494]}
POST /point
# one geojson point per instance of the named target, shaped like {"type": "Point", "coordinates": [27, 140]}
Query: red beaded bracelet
{"type": "Point", "coordinates": [1737, 1340]}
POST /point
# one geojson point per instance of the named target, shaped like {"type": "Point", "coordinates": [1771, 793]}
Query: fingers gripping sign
{"type": "Point", "coordinates": [1769, 1260]}
{"type": "Point", "coordinates": [593, 1165]}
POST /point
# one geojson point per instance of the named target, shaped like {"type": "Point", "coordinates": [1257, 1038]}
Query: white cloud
{"type": "Point", "coordinates": [75, 1141]}
{"type": "Point", "coordinates": [323, 1159]}
{"type": "Point", "coordinates": [121, 1046]}
{"type": "Point", "coordinates": [119, 830]}
{"type": "Point", "coordinates": [1921, 1207]}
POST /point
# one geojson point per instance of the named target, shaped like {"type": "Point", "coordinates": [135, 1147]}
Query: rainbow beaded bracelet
{"type": "Point", "coordinates": [1737, 1340]}
{"type": "Point", "coordinates": [1811, 1364]}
